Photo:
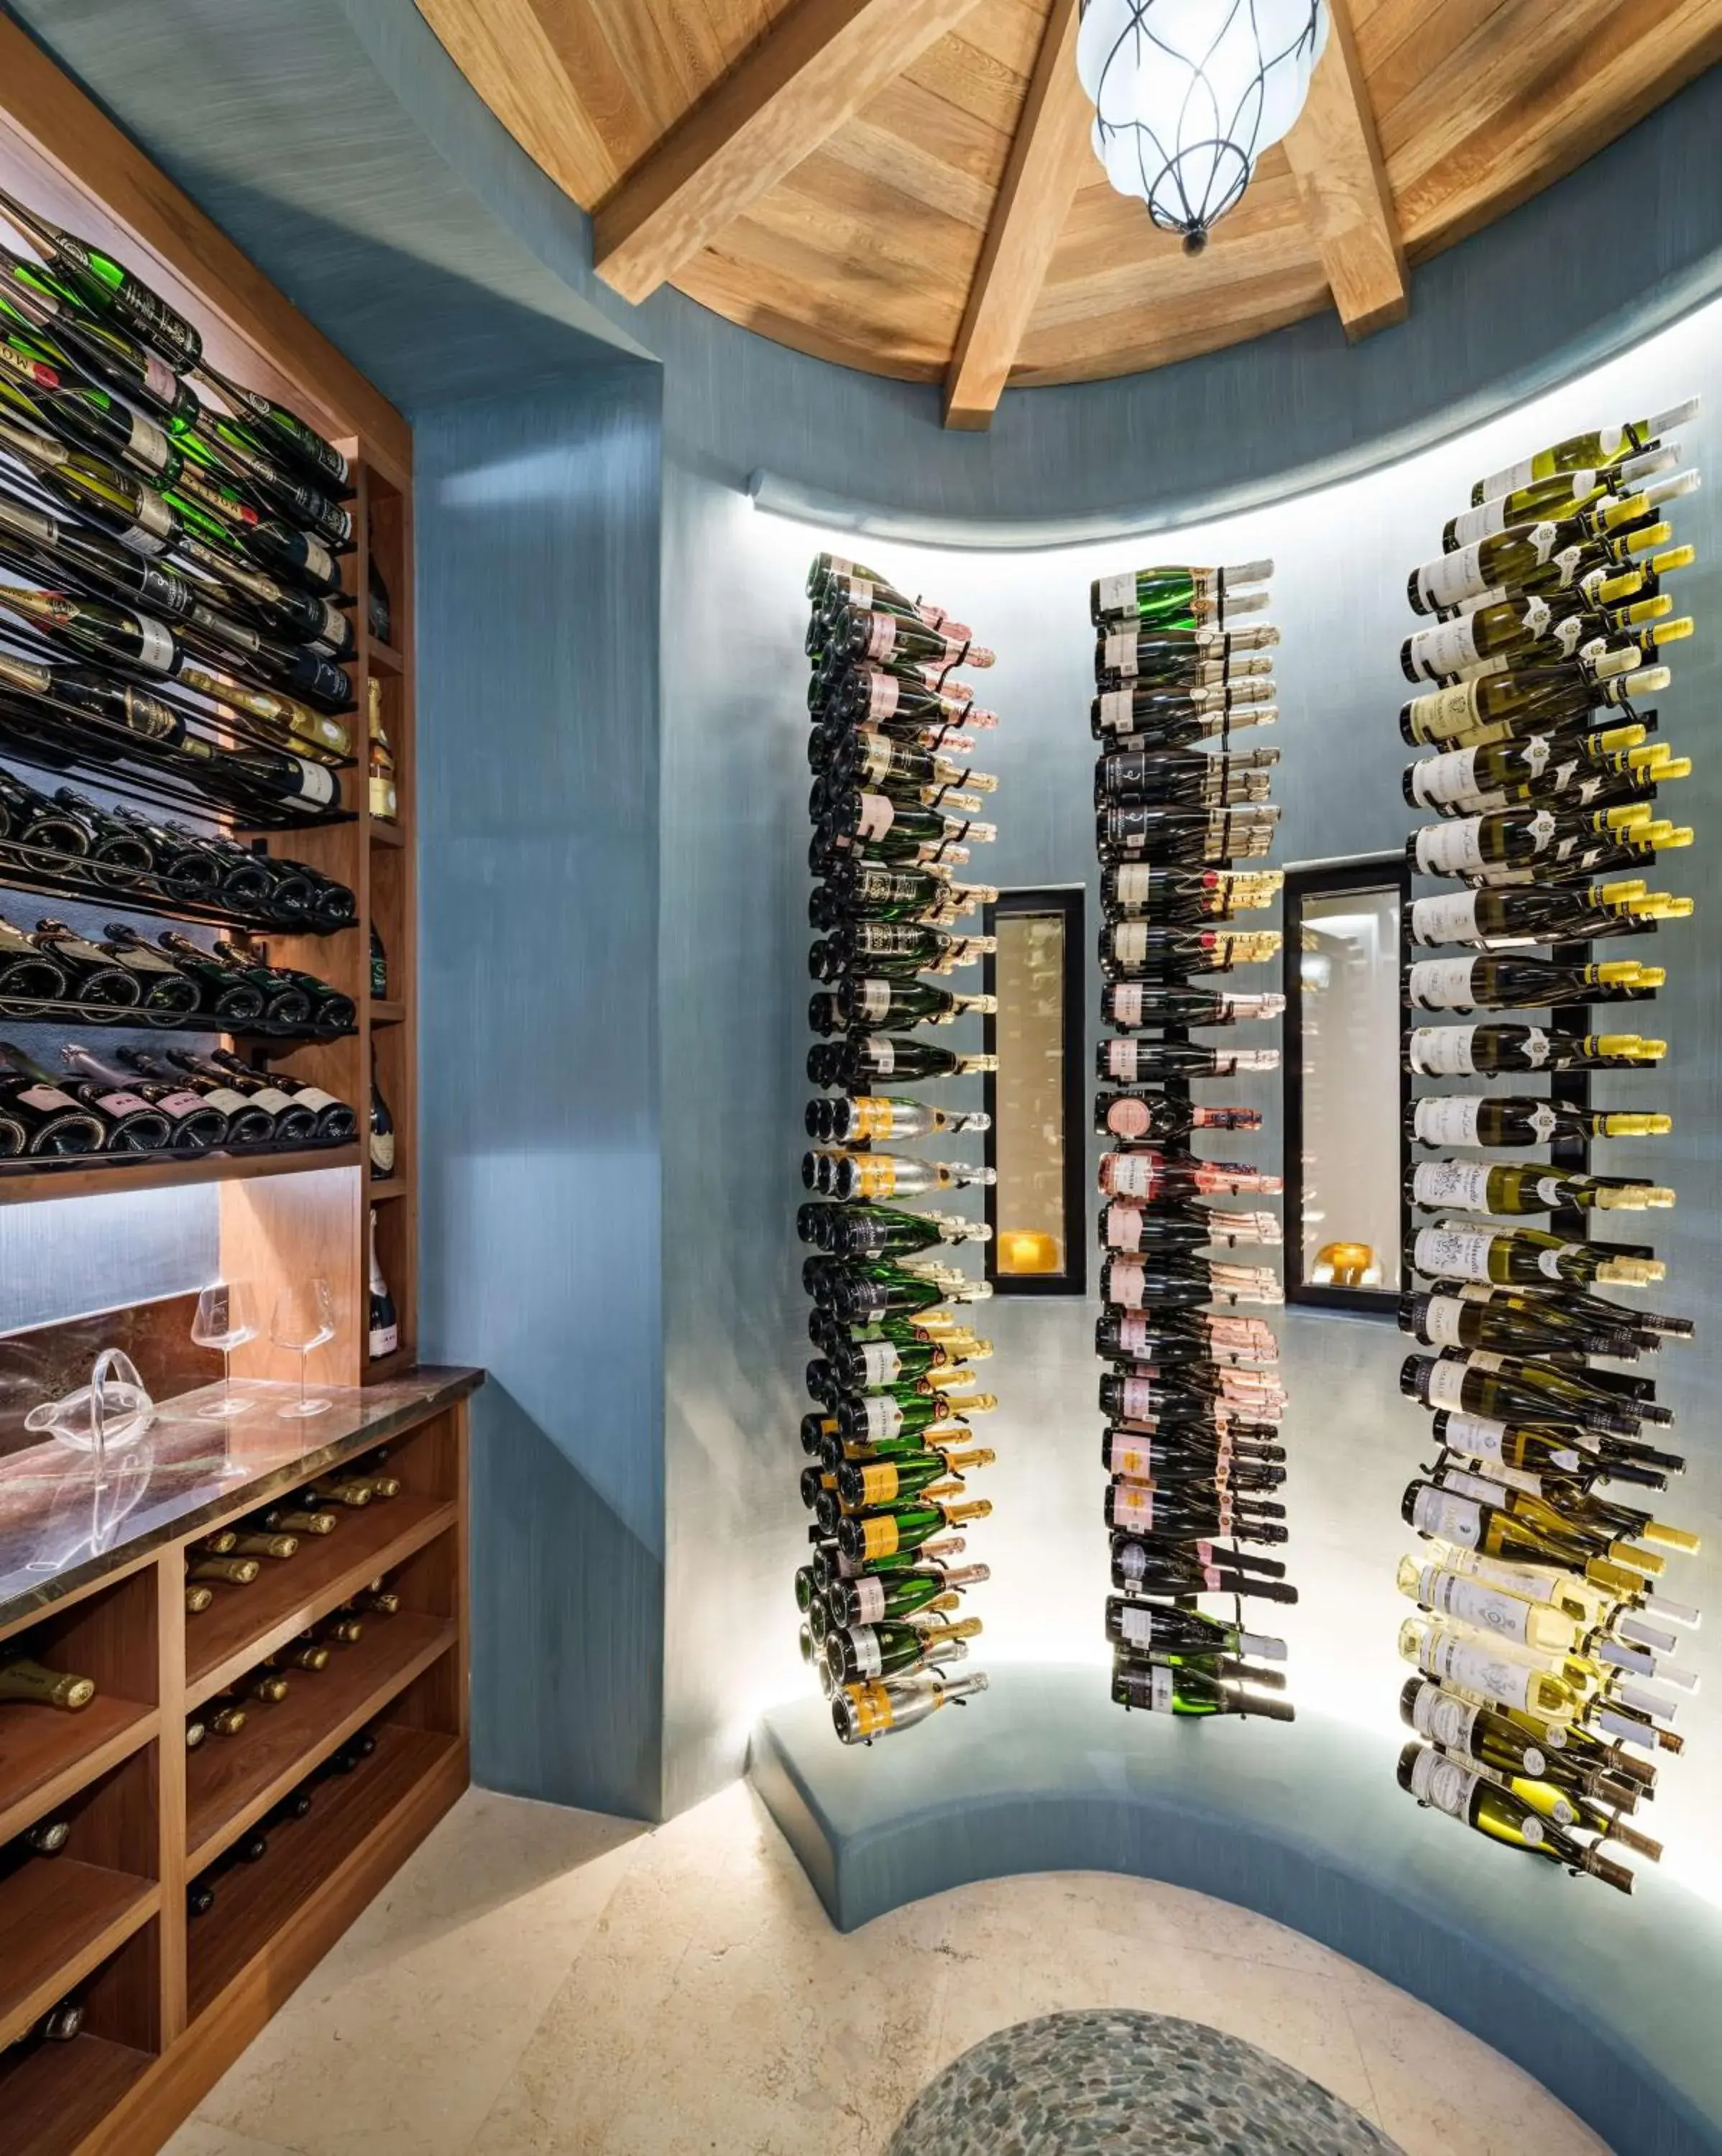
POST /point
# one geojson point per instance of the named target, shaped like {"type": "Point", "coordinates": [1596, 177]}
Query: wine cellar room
{"type": "Point", "coordinates": [835, 1312]}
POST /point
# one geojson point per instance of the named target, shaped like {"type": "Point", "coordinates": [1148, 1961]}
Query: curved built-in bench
{"type": "Point", "coordinates": [1306, 1825]}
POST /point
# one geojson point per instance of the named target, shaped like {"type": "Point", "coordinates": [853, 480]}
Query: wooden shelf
{"type": "Point", "coordinates": [386, 835]}
{"type": "Point", "coordinates": [246, 1623]}
{"type": "Point", "coordinates": [382, 656]}
{"type": "Point", "coordinates": [307, 1857]}
{"type": "Point", "coordinates": [59, 2093]}
{"type": "Point", "coordinates": [386, 1012]}
{"type": "Point", "coordinates": [59, 1920]}
{"type": "Point", "coordinates": [380, 1194]}
{"type": "Point", "coordinates": [232, 1781]}
{"type": "Point", "coordinates": [46, 1757]}
{"type": "Point", "coordinates": [389, 1366]}
{"type": "Point", "coordinates": [28, 1186]}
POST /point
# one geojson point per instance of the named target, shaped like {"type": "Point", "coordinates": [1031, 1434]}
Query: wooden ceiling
{"type": "Point", "coordinates": [905, 186]}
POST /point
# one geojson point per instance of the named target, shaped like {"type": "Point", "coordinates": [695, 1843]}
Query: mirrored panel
{"type": "Point", "coordinates": [1345, 1094]}
{"type": "Point", "coordinates": [1035, 1145]}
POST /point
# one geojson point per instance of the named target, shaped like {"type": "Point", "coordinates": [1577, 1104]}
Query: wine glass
{"type": "Point", "coordinates": [226, 1319]}
{"type": "Point", "coordinates": [304, 1319]}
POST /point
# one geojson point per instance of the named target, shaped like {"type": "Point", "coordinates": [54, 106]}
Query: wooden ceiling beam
{"type": "Point", "coordinates": [1049, 154]}
{"type": "Point", "coordinates": [1335, 156]}
{"type": "Point", "coordinates": [813, 71]}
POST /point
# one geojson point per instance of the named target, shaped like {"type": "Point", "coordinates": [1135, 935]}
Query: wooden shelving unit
{"type": "Point", "coordinates": [169, 2001]}
{"type": "Point", "coordinates": [285, 1217]}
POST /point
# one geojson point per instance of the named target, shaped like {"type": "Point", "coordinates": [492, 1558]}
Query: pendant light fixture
{"type": "Point", "coordinates": [1189, 93]}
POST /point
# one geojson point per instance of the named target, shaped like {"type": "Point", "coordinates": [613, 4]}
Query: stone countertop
{"type": "Point", "coordinates": [62, 1525]}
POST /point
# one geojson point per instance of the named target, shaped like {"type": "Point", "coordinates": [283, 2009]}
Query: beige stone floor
{"type": "Point", "coordinates": [546, 1982]}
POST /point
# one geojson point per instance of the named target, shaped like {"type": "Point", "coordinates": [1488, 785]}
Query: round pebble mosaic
{"type": "Point", "coordinates": [1111, 2082]}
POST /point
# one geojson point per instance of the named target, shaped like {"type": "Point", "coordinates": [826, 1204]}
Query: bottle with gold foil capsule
{"type": "Point", "coordinates": [1487, 1186]}
{"type": "Point", "coordinates": [1547, 555]}
{"type": "Point", "coordinates": [227, 1571]}
{"type": "Point", "coordinates": [864, 1653]}
{"type": "Point", "coordinates": [297, 1519]}
{"type": "Point", "coordinates": [1557, 496]}
{"type": "Point", "coordinates": [384, 795]}
{"type": "Point", "coordinates": [861, 1712]}
{"type": "Point", "coordinates": [25, 1680]}
{"type": "Point", "coordinates": [1599, 446]}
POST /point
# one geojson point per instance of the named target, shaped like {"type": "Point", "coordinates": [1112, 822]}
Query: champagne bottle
{"type": "Point", "coordinates": [877, 1598]}
{"type": "Point", "coordinates": [881, 1116]}
{"type": "Point", "coordinates": [1468, 846]}
{"type": "Point", "coordinates": [1168, 1633]}
{"type": "Point", "coordinates": [383, 1333]}
{"type": "Point", "coordinates": [1154, 1177]}
{"type": "Point", "coordinates": [1479, 1667]}
{"type": "Point", "coordinates": [1184, 1513]}
{"type": "Point", "coordinates": [1163, 955]}
{"type": "Point", "coordinates": [877, 1177]}
{"type": "Point", "coordinates": [1134, 776]}
{"type": "Point", "coordinates": [863, 1486]}
{"type": "Point", "coordinates": [1558, 1753]}
{"type": "Point", "coordinates": [108, 288]}
{"type": "Point", "coordinates": [24, 1680]}
{"type": "Point", "coordinates": [1132, 1062]}
{"type": "Point", "coordinates": [869, 1652]}
{"type": "Point", "coordinates": [1142, 890]}
{"type": "Point", "coordinates": [1473, 1523]}
{"type": "Point", "coordinates": [1181, 656]}
{"type": "Point", "coordinates": [1434, 1051]}
{"type": "Point", "coordinates": [1574, 1451]}
{"type": "Point", "coordinates": [1490, 981]}
{"type": "Point", "coordinates": [872, 1231]}
{"type": "Point", "coordinates": [196, 1125]}
{"type": "Point", "coordinates": [1601, 446]}
{"type": "Point", "coordinates": [81, 415]}
{"type": "Point", "coordinates": [1141, 1568]}
{"type": "Point", "coordinates": [1538, 760]}
{"type": "Point", "coordinates": [861, 1712]}
{"type": "Point", "coordinates": [906, 1528]}
{"type": "Point", "coordinates": [1166, 1689]}
{"type": "Point", "coordinates": [30, 298]}
{"type": "Point", "coordinates": [1137, 1283]}
{"type": "Point", "coordinates": [1178, 596]}
{"type": "Point", "coordinates": [129, 1123]}
{"type": "Point", "coordinates": [1445, 1119]}
{"type": "Point", "coordinates": [1482, 1805]}
{"type": "Point", "coordinates": [285, 430]}
{"type": "Point", "coordinates": [1483, 1187]}
{"type": "Point", "coordinates": [868, 1000]}
{"type": "Point", "coordinates": [1193, 835]}
{"type": "Point", "coordinates": [1161, 1117]}
{"type": "Point", "coordinates": [227, 1571]}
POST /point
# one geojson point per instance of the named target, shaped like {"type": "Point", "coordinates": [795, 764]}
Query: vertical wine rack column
{"type": "Point", "coordinates": [1546, 1645]}
{"type": "Point", "coordinates": [1191, 1393]}
{"type": "Point", "coordinates": [895, 807]}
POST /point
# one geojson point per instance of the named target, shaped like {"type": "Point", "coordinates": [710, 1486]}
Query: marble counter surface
{"type": "Point", "coordinates": [62, 1525]}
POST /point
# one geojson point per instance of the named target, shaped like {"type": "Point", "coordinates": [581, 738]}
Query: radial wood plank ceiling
{"type": "Point", "coordinates": [907, 187]}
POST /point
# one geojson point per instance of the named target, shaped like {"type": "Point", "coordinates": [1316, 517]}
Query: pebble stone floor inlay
{"type": "Point", "coordinates": [1118, 2083]}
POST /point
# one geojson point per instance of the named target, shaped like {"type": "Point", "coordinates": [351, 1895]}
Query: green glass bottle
{"type": "Point", "coordinates": [108, 288]}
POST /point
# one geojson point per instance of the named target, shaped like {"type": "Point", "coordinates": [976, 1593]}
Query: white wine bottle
{"type": "Point", "coordinates": [1603, 445]}
{"type": "Point", "coordinates": [1444, 1786]}
{"type": "Point", "coordinates": [1491, 1050]}
{"type": "Point", "coordinates": [1560, 495]}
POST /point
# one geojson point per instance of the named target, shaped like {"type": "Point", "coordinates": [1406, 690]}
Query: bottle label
{"type": "Point", "coordinates": [1446, 1389]}
{"type": "Point", "coordinates": [1139, 1397]}
{"type": "Point", "coordinates": [881, 636]}
{"type": "Point", "coordinates": [159, 379]}
{"type": "Point", "coordinates": [1133, 1335]}
{"type": "Point", "coordinates": [1442, 1315]}
{"type": "Point", "coordinates": [876, 817]}
{"type": "Point", "coordinates": [46, 1096]}
{"type": "Point", "coordinates": [1448, 1118]}
{"type": "Point", "coordinates": [1131, 1175]}
{"type": "Point", "coordinates": [1548, 1262]}
{"type": "Point", "coordinates": [1441, 713]}
{"type": "Point", "coordinates": [1121, 1059]}
{"type": "Point", "coordinates": [884, 1417]}
{"type": "Point", "coordinates": [383, 1339]}
{"type": "Point", "coordinates": [157, 652]}
{"type": "Point", "coordinates": [1440, 1512]}
{"type": "Point", "coordinates": [1125, 1285]}
{"type": "Point", "coordinates": [1439, 1782]}
{"type": "Point", "coordinates": [1120, 654]}
{"type": "Point", "coordinates": [1126, 1000]}
{"type": "Point", "coordinates": [120, 1103]}
{"type": "Point", "coordinates": [880, 1363]}
{"type": "Point", "coordinates": [1133, 883]}
{"type": "Point", "coordinates": [875, 1000]}
{"type": "Point", "coordinates": [1118, 706]}
{"type": "Point", "coordinates": [1129, 946]}
{"type": "Point", "coordinates": [1127, 1117]}
{"type": "Point", "coordinates": [1448, 649]}
{"type": "Point", "coordinates": [1479, 1435]}
{"type": "Point", "coordinates": [1455, 1660]}
{"type": "Point", "coordinates": [148, 445]}
{"type": "Point", "coordinates": [1455, 1595]}
{"type": "Point", "coordinates": [1162, 1689]}
{"type": "Point", "coordinates": [1442, 983]}
{"type": "Point", "coordinates": [1136, 1626]}
{"type": "Point", "coordinates": [1551, 1188]}
{"type": "Point", "coordinates": [180, 1104]}
{"type": "Point", "coordinates": [1453, 1253]}
{"type": "Point", "coordinates": [1123, 1229]}
{"type": "Point", "coordinates": [868, 1601]}
{"type": "Point", "coordinates": [1126, 1456]}
{"type": "Point", "coordinates": [869, 1660]}
{"type": "Point", "coordinates": [313, 1096]}
{"type": "Point", "coordinates": [1444, 1720]}
{"type": "Point", "coordinates": [1451, 848]}
{"type": "Point", "coordinates": [882, 1057]}
{"type": "Point", "coordinates": [1444, 1051]}
{"type": "Point", "coordinates": [1450, 918]}
{"type": "Point", "coordinates": [1117, 594]}
{"type": "Point", "coordinates": [883, 694]}
{"type": "Point", "coordinates": [1439, 779]}
{"type": "Point", "coordinates": [1464, 1184]}
{"type": "Point", "coordinates": [1454, 577]}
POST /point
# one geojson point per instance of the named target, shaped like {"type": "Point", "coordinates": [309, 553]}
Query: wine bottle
{"type": "Point", "coordinates": [869, 1117]}
{"type": "Point", "coordinates": [1601, 446]}
{"type": "Point", "coordinates": [1545, 762]}
{"type": "Point", "coordinates": [1163, 955]}
{"type": "Point", "coordinates": [1526, 1256]}
{"type": "Point", "coordinates": [867, 1652]}
{"type": "Point", "coordinates": [881, 638]}
{"type": "Point", "coordinates": [384, 1333]}
{"type": "Point", "coordinates": [876, 1000]}
{"type": "Point", "coordinates": [286, 1099]}
{"type": "Point", "coordinates": [226, 1571]}
{"type": "Point", "coordinates": [1162, 1568]}
{"type": "Point", "coordinates": [906, 1528]}
{"type": "Point", "coordinates": [863, 1712]}
{"type": "Point", "coordinates": [875, 1598]}
{"type": "Point", "coordinates": [1137, 1283]}
{"type": "Point", "coordinates": [1571, 913]}
{"type": "Point", "coordinates": [1545, 555]}
{"type": "Point", "coordinates": [1143, 891]}
{"type": "Point", "coordinates": [1557, 495]}
{"type": "Point", "coordinates": [1134, 777]}
{"type": "Point", "coordinates": [1444, 1786]}
{"type": "Point", "coordinates": [109, 289]}
{"type": "Point", "coordinates": [26, 1681]}
{"type": "Point", "coordinates": [1162, 1689]}
{"type": "Point", "coordinates": [1178, 596]}
{"type": "Point", "coordinates": [30, 298]}
{"type": "Point", "coordinates": [1170, 1634]}
{"type": "Point", "coordinates": [1153, 1176]}
{"type": "Point", "coordinates": [381, 1141]}
{"type": "Point", "coordinates": [866, 1059]}
{"type": "Point", "coordinates": [1434, 1051]}
{"type": "Point", "coordinates": [1557, 699]}
{"type": "Point", "coordinates": [81, 415]}
{"type": "Point", "coordinates": [195, 1125]}
{"type": "Point", "coordinates": [283, 430]}
{"type": "Point", "coordinates": [1193, 835]}
{"type": "Point", "coordinates": [865, 1485]}
{"type": "Point", "coordinates": [1523, 1326]}
{"type": "Point", "coordinates": [1136, 1116]}
{"type": "Point", "coordinates": [1131, 1062]}
{"type": "Point", "coordinates": [1483, 1187]}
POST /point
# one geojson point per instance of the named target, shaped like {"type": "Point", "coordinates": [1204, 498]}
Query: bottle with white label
{"type": "Point", "coordinates": [1547, 554]}
{"type": "Point", "coordinates": [1559, 1753]}
{"type": "Point", "coordinates": [1557, 699]}
{"type": "Point", "coordinates": [1197, 657]}
{"type": "Point", "coordinates": [1521, 1119]}
{"type": "Point", "coordinates": [383, 1324]}
{"type": "Point", "coordinates": [1523, 1326]}
{"type": "Point", "coordinates": [1445, 1786]}
{"type": "Point", "coordinates": [1533, 760]}
{"type": "Point", "coordinates": [1559, 496]}
{"type": "Point", "coordinates": [1599, 446]}
{"type": "Point", "coordinates": [876, 1001]}
{"type": "Point", "coordinates": [196, 1124]}
{"type": "Point", "coordinates": [858, 1654]}
{"type": "Point", "coordinates": [1485, 1051]}
{"type": "Point", "coordinates": [1566, 913]}
{"type": "Point", "coordinates": [1155, 718]}
{"type": "Point", "coordinates": [1514, 1387]}
{"type": "Point", "coordinates": [1483, 1187]}
{"type": "Point", "coordinates": [1468, 846]}
{"type": "Point", "coordinates": [1575, 1452]}
{"type": "Point", "coordinates": [1526, 1257]}
{"type": "Point", "coordinates": [1490, 981]}
{"type": "Point", "coordinates": [1170, 1633]}
{"type": "Point", "coordinates": [1178, 596]}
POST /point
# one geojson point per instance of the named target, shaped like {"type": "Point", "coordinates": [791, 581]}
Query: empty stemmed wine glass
{"type": "Point", "coordinates": [304, 1319]}
{"type": "Point", "coordinates": [226, 1319]}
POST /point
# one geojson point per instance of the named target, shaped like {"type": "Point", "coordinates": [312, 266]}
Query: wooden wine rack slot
{"type": "Point", "coordinates": [232, 1781]}
{"type": "Point", "coordinates": [384, 657]}
{"type": "Point", "coordinates": [256, 1905]}
{"type": "Point", "coordinates": [59, 1919]}
{"type": "Point", "coordinates": [46, 1758]}
{"type": "Point", "coordinates": [387, 1013]}
{"type": "Point", "coordinates": [55, 2099]}
{"type": "Point", "coordinates": [26, 1186]}
{"type": "Point", "coordinates": [246, 1623]}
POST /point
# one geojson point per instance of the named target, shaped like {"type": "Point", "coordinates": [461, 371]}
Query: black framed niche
{"type": "Point", "coordinates": [1347, 1095]}
{"type": "Point", "coordinates": [1035, 1141]}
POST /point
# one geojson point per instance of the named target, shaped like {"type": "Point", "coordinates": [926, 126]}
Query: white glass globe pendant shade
{"type": "Point", "coordinates": [1187, 95]}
